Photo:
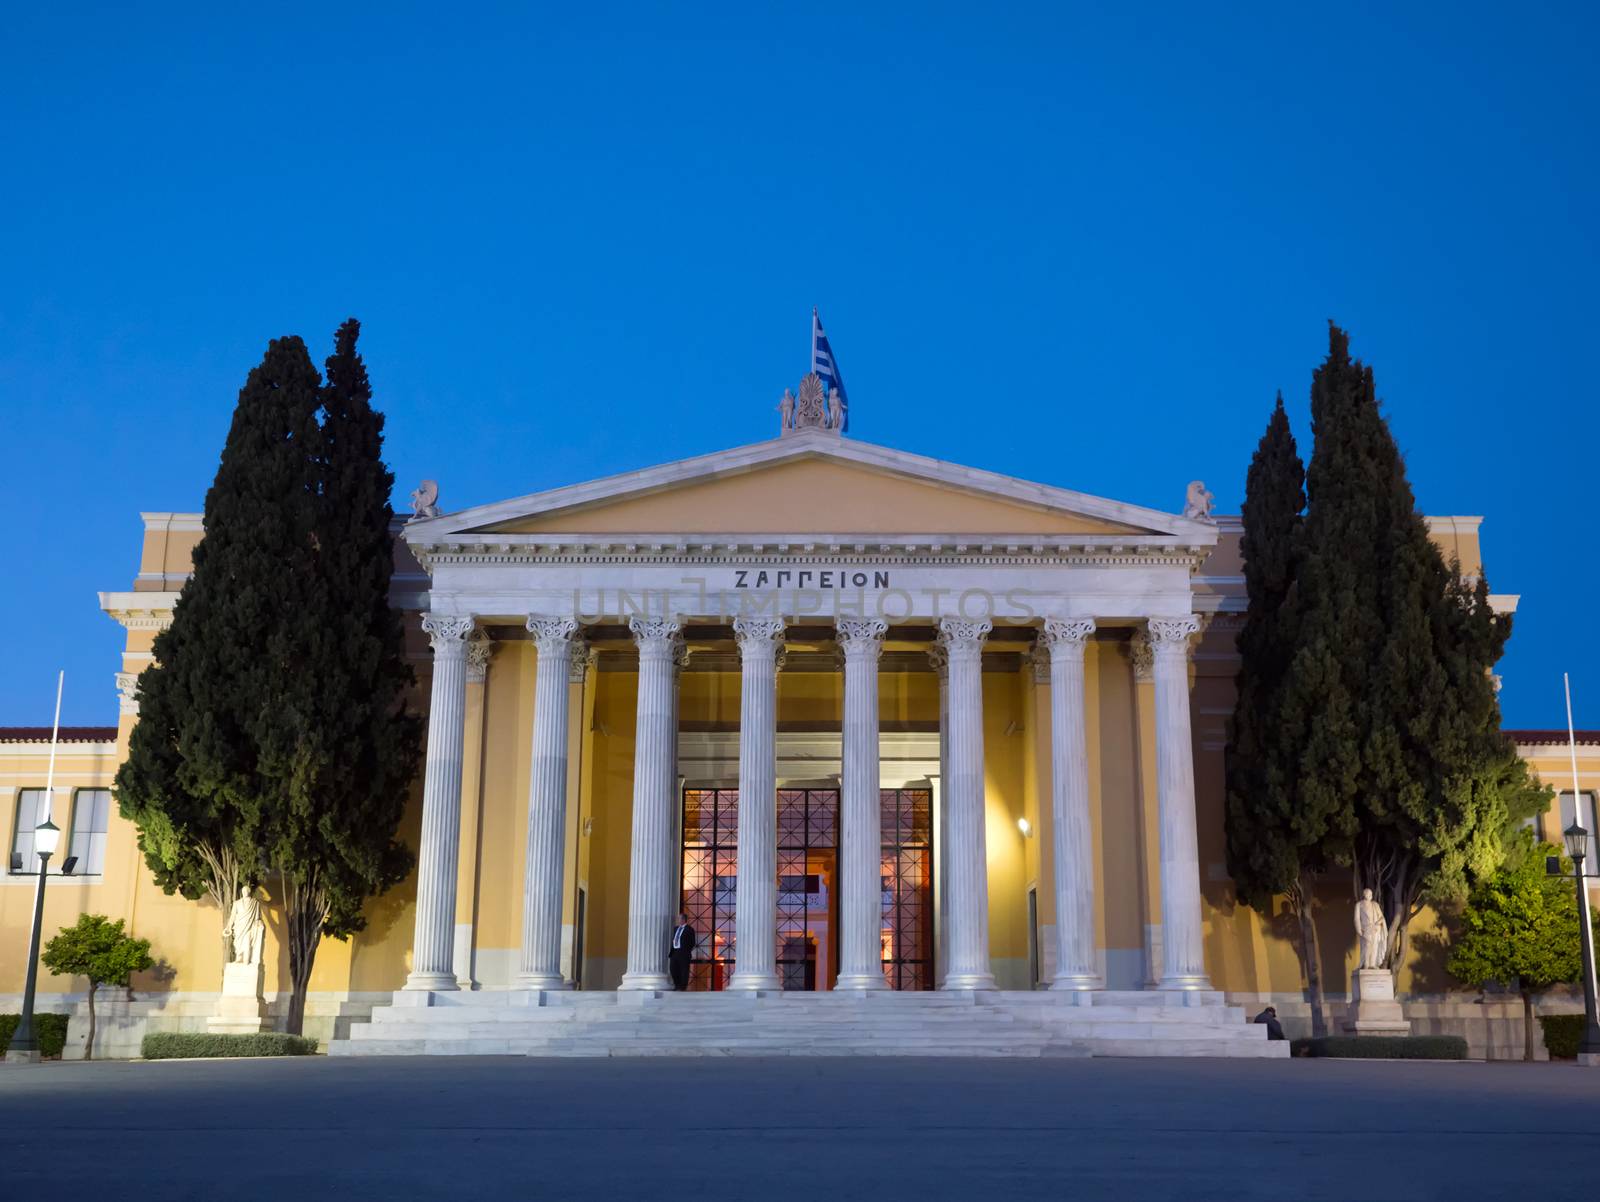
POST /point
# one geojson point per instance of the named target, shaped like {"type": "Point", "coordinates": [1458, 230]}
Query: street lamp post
{"type": "Point", "coordinates": [1577, 845]}
{"type": "Point", "coordinates": [24, 1045]}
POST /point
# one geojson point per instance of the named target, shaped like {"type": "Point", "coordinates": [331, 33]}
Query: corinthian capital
{"type": "Point", "coordinates": [758, 636]}
{"type": "Point", "coordinates": [1066, 633]}
{"type": "Point", "coordinates": [861, 637]}
{"type": "Point", "coordinates": [447, 632]}
{"type": "Point", "coordinates": [552, 636]}
{"type": "Point", "coordinates": [1170, 636]}
{"type": "Point", "coordinates": [128, 692]}
{"type": "Point", "coordinates": [963, 637]}
{"type": "Point", "coordinates": [655, 633]}
{"type": "Point", "coordinates": [940, 659]}
{"type": "Point", "coordinates": [479, 649]}
{"type": "Point", "coordinates": [1139, 652]}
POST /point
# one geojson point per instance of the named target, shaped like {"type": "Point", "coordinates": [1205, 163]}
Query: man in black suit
{"type": "Point", "coordinates": [679, 951]}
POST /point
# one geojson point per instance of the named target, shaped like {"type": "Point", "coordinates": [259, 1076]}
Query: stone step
{"type": "Point", "coordinates": [809, 1024]}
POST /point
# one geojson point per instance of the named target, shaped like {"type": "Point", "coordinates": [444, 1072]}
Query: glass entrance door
{"type": "Point", "coordinates": [906, 816]}
{"type": "Point", "coordinates": [807, 940]}
{"type": "Point", "coordinates": [808, 860]}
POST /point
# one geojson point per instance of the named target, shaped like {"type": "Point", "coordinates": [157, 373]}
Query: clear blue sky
{"type": "Point", "coordinates": [1078, 244]}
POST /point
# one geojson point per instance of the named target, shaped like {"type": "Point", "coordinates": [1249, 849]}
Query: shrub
{"type": "Point", "coordinates": [1383, 1047]}
{"type": "Point", "coordinates": [51, 1032]}
{"type": "Point", "coordinates": [1562, 1033]}
{"type": "Point", "coordinates": [192, 1045]}
{"type": "Point", "coordinates": [101, 950]}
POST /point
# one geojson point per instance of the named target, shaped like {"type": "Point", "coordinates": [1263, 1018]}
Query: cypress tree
{"type": "Point", "coordinates": [194, 782]}
{"type": "Point", "coordinates": [1390, 704]}
{"type": "Point", "coordinates": [1277, 843]}
{"type": "Point", "coordinates": [348, 747]}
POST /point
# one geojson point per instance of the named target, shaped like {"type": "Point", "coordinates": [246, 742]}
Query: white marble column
{"type": "Point", "coordinates": [756, 896]}
{"type": "Point", "coordinates": [861, 831]}
{"type": "Point", "coordinates": [654, 783]}
{"type": "Point", "coordinates": [672, 878]}
{"type": "Point", "coordinates": [479, 651]}
{"type": "Point", "coordinates": [1183, 955]}
{"type": "Point", "coordinates": [969, 966]}
{"type": "Point", "coordinates": [1077, 965]}
{"type": "Point", "coordinates": [941, 802]}
{"type": "Point", "coordinates": [433, 942]}
{"type": "Point", "coordinates": [547, 806]}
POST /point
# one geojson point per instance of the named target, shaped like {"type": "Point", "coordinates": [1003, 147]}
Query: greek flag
{"type": "Point", "coordinates": [824, 364]}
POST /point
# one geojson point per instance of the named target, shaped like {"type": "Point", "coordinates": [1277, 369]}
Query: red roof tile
{"type": "Point", "coordinates": [69, 734]}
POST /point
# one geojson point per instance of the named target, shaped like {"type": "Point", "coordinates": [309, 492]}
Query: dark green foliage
{"type": "Point", "coordinates": [1277, 841]}
{"type": "Point", "coordinates": [1268, 832]}
{"type": "Point", "coordinates": [96, 948]}
{"type": "Point", "coordinates": [192, 1045]}
{"type": "Point", "coordinates": [1383, 1047]}
{"type": "Point", "coordinates": [1391, 707]}
{"type": "Point", "coordinates": [345, 745]}
{"type": "Point", "coordinates": [1562, 1034]}
{"type": "Point", "coordinates": [99, 949]}
{"type": "Point", "coordinates": [273, 737]}
{"type": "Point", "coordinates": [1520, 924]}
{"type": "Point", "coordinates": [49, 1031]}
{"type": "Point", "coordinates": [205, 762]}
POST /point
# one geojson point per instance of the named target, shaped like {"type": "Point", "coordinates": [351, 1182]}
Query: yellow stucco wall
{"type": "Point", "coordinates": [845, 499]}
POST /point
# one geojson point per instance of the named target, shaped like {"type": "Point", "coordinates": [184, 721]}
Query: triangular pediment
{"type": "Point", "coordinates": [822, 484]}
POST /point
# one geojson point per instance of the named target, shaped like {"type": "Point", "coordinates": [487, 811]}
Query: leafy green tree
{"type": "Point", "coordinates": [1391, 704]}
{"type": "Point", "coordinates": [1278, 841]}
{"type": "Point", "coordinates": [343, 745]}
{"type": "Point", "coordinates": [273, 733]}
{"type": "Point", "coordinates": [1520, 924]}
{"type": "Point", "coordinates": [193, 782]}
{"type": "Point", "coordinates": [97, 948]}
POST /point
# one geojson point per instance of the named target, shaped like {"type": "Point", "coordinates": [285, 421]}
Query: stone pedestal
{"type": "Point", "coordinates": [241, 1010]}
{"type": "Point", "coordinates": [1373, 1009]}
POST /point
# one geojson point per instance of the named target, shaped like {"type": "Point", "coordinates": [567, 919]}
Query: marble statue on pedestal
{"type": "Point", "coordinates": [242, 1007]}
{"type": "Point", "coordinates": [1374, 1009]}
{"type": "Point", "coordinates": [1373, 931]}
{"type": "Point", "coordinates": [245, 929]}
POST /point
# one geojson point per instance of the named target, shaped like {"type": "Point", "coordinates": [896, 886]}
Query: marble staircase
{"type": "Point", "coordinates": [997, 1023]}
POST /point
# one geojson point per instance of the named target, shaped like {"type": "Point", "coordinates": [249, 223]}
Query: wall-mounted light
{"type": "Point", "coordinates": [1025, 827]}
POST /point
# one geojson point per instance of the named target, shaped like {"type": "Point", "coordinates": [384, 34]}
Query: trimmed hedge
{"type": "Point", "coordinates": [1562, 1034]}
{"type": "Point", "coordinates": [50, 1030]}
{"type": "Point", "coordinates": [1383, 1047]}
{"type": "Point", "coordinates": [196, 1045]}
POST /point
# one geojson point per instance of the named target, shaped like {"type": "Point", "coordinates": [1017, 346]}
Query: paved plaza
{"type": "Point", "coordinates": [832, 1129]}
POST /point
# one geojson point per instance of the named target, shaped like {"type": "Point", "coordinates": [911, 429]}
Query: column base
{"type": "Point", "coordinates": [861, 981]}
{"type": "Point", "coordinates": [432, 982]}
{"type": "Point", "coordinates": [28, 1056]}
{"type": "Point", "coordinates": [1197, 980]}
{"type": "Point", "coordinates": [752, 982]}
{"type": "Point", "coordinates": [641, 982]}
{"type": "Point", "coordinates": [1081, 981]}
{"type": "Point", "coordinates": [548, 981]}
{"type": "Point", "coordinates": [968, 981]}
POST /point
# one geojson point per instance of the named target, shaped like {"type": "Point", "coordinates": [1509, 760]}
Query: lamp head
{"type": "Point", "coordinates": [1577, 842]}
{"type": "Point", "coordinates": [46, 838]}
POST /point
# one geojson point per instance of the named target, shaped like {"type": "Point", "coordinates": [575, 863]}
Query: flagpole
{"type": "Point", "coordinates": [55, 735]}
{"type": "Point", "coordinates": [1589, 1045]}
{"type": "Point", "coordinates": [23, 1047]}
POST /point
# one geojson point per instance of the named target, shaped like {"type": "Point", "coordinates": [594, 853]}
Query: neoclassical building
{"type": "Point", "coordinates": [877, 723]}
